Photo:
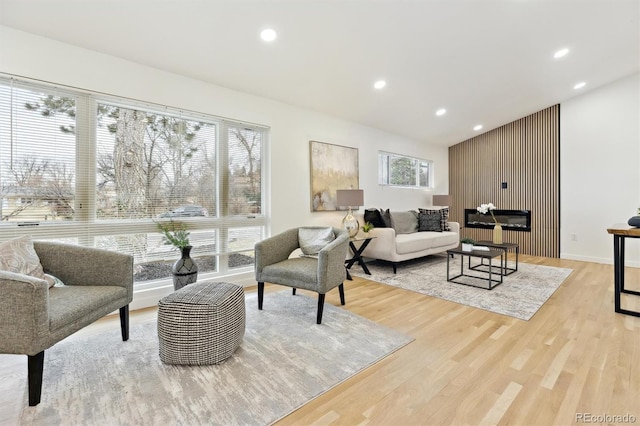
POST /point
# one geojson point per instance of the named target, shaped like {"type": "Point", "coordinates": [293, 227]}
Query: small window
{"type": "Point", "coordinates": [400, 170]}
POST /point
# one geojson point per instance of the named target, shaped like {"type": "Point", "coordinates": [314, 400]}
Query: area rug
{"type": "Point", "coordinates": [520, 295]}
{"type": "Point", "coordinates": [285, 360]}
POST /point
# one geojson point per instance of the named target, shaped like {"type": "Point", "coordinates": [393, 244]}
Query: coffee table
{"type": "Point", "coordinates": [487, 276]}
{"type": "Point", "coordinates": [502, 246]}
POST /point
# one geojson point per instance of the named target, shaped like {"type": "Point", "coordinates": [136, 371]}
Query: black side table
{"type": "Point", "coordinates": [357, 254]}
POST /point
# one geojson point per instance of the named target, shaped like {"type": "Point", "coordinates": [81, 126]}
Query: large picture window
{"type": "Point", "coordinates": [103, 171]}
{"type": "Point", "coordinates": [401, 170]}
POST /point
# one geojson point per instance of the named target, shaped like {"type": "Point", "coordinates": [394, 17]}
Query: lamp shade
{"type": "Point", "coordinates": [350, 197]}
{"type": "Point", "coordinates": [441, 200]}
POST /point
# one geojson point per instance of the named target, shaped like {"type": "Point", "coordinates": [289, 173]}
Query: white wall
{"type": "Point", "coordinates": [292, 128]}
{"type": "Point", "coordinates": [599, 170]}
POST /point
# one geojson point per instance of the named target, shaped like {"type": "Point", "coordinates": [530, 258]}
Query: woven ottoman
{"type": "Point", "coordinates": [202, 323]}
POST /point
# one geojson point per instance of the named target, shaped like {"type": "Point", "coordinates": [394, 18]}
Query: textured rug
{"type": "Point", "coordinates": [284, 361]}
{"type": "Point", "coordinates": [520, 295]}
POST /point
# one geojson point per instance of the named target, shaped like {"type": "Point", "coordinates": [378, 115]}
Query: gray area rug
{"type": "Point", "coordinates": [285, 360]}
{"type": "Point", "coordinates": [520, 295]}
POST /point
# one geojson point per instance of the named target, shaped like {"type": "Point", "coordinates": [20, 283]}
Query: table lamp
{"type": "Point", "coordinates": [350, 198]}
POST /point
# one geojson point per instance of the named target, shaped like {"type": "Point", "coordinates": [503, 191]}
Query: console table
{"type": "Point", "coordinates": [620, 232]}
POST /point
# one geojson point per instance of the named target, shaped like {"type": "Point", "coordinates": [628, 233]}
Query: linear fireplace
{"type": "Point", "coordinates": [511, 220]}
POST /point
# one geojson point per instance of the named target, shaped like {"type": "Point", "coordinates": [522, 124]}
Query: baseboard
{"type": "Point", "coordinates": [606, 261]}
{"type": "Point", "coordinates": [145, 298]}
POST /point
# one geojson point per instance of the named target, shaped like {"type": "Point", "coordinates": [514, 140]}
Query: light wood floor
{"type": "Point", "coordinates": [468, 366]}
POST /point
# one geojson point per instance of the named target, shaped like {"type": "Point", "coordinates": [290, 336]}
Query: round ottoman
{"type": "Point", "coordinates": [202, 323]}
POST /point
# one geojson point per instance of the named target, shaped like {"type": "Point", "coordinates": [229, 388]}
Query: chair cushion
{"type": "Point", "coordinates": [300, 272]}
{"type": "Point", "coordinates": [18, 255]}
{"type": "Point", "coordinates": [69, 304]}
{"type": "Point", "coordinates": [312, 240]}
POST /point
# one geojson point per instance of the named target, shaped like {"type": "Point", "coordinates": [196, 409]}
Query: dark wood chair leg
{"type": "Point", "coordinates": [320, 307]}
{"type": "Point", "coordinates": [35, 365]}
{"type": "Point", "coordinates": [260, 295]}
{"type": "Point", "coordinates": [294, 291]}
{"type": "Point", "coordinates": [124, 322]}
{"type": "Point", "coordinates": [341, 289]}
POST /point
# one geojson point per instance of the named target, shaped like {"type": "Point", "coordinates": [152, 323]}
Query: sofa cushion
{"type": "Point", "coordinates": [430, 220]}
{"type": "Point", "coordinates": [374, 216]}
{"type": "Point", "coordinates": [410, 243]}
{"type": "Point", "coordinates": [404, 222]}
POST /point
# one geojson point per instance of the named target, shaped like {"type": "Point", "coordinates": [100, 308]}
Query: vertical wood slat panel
{"type": "Point", "coordinates": [526, 155]}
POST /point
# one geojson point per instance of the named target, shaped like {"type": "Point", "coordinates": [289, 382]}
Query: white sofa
{"type": "Point", "coordinates": [395, 248]}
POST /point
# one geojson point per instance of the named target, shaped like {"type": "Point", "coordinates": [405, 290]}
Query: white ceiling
{"type": "Point", "coordinates": [486, 61]}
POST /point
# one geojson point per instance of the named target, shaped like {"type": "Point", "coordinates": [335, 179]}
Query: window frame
{"type": "Point", "coordinates": [384, 170]}
{"type": "Point", "coordinates": [85, 225]}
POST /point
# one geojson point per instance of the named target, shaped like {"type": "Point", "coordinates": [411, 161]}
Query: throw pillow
{"type": "Point", "coordinates": [444, 217]}
{"type": "Point", "coordinates": [404, 222]}
{"type": "Point", "coordinates": [386, 218]}
{"type": "Point", "coordinates": [374, 217]}
{"type": "Point", "coordinates": [18, 255]}
{"type": "Point", "coordinates": [312, 240]}
{"type": "Point", "coordinates": [430, 220]}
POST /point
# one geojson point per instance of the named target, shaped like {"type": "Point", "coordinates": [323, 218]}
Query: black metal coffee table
{"type": "Point", "coordinates": [502, 246]}
{"type": "Point", "coordinates": [487, 276]}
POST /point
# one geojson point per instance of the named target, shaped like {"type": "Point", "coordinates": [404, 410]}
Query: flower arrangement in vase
{"type": "Point", "coordinates": [185, 269]}
{"type": "Point", "coordinates": [497, 228]}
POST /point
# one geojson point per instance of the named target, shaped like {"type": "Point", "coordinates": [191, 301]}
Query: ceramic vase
{"type": "Point", "coordinates": [497, 234]}
{"type": "Point", "coordinates": [185, 270]}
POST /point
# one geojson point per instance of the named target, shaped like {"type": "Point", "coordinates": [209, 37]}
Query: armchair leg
{"type": "Point", "coordinates": [260, 295]}
{"type": "Point", "coordinates": [124, 322]}
{"type": "Point", "coordinates": [320, 307]}
{"type": "Point", "coordinates": [294, 291]}
{"type": "Point", "coordinates": [35, 365]}
{"type": "Point", "coordinates": [341, 289]}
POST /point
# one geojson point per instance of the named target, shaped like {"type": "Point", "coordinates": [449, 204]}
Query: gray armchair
{"type": "Point", "coordinates": [321, 274]}
{"type": "Point", "coordinates": [33, 317]}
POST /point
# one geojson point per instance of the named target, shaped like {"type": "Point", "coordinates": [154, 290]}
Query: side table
{"type": "Point", "coordinates": [620, 232]}
{"type": "Point", "coordinates": [357, 254]}
{"type": "Point", "coordinates": [502, 246]}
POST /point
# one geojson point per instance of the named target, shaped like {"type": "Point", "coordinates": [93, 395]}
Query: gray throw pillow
{"type": "Point", "coordinates": [429, 220]}
{"type": "Point", "coordinates": [404, 222]}
{"type": "Point", "coordinates": [312, 240]}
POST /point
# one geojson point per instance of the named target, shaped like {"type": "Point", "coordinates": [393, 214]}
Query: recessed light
{"type": "Point", "coordinates": [579, 85]}
{"type": "Point", "coordinates": [560, 53]}
{"type": "Point", "coordinates": [268, 35]}
{"type": "Point", "coordinates": [379, 84]}
{"type": "Point", "coordinates": [441, 111]}
{"type": "Point", "coordinates": [477, 127]}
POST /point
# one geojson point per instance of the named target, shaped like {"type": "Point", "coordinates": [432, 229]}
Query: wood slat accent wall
{"type": "Point", "coordinates": [526, 155]}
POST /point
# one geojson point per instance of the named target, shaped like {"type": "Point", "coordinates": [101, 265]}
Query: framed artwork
{"type": "Point", "coordinates": [333, 167]}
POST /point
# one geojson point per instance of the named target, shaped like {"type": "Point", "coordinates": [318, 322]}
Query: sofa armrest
{"type": "Point", "coordinates": [24, 312]}
{"type": "Point", "coordinates": [455, 227]}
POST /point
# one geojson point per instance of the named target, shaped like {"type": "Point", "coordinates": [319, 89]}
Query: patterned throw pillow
{"type": "Point", "coordinates": [430, 220]}
{"type": "Point", "coordinates": [19, 256]}
{"type": "Point", "coordinates": [312, 240]}
{"type": "Point", "coordinates": [444, 217]}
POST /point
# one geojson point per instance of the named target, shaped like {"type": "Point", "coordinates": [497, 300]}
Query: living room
{"type": "Point", "coordinates": [599, 180]}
